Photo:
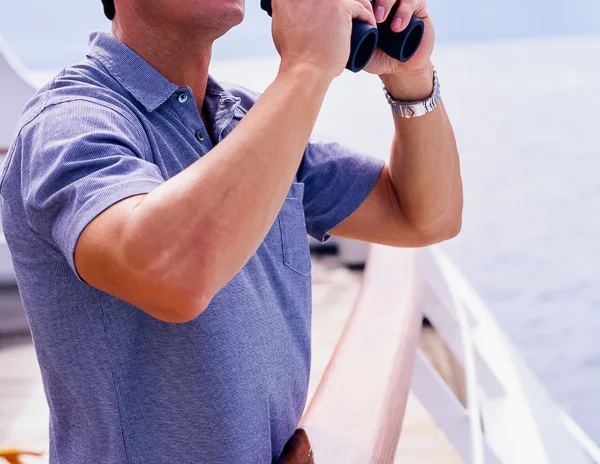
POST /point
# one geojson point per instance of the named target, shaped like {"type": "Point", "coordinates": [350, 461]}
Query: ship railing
{"type": "Point", "coordinates": [357, 412]}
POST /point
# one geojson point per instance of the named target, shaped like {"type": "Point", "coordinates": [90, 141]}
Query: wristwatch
{"type": "Point", "coordinates": [410, 110]}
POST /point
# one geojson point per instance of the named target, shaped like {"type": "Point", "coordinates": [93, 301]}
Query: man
{"type": "Point", "coordinates": [157, 221]}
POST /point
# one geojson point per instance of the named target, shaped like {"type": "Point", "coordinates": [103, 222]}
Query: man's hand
{"type": "Point", "coordinates": [381, 63]}
{"type": "Point", "coordinates": [317, 32]}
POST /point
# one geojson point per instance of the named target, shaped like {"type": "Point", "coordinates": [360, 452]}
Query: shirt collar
{"type": "Point", "coordinates": [135, 74]}
{"type": "Point", "coordinates": [140, 79]}
{"type": "Point", "coordinates": [223, 106]}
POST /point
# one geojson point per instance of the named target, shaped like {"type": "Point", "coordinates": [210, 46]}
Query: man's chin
{"type": "Point", "coordinates": [232, 9]}
{"type": "Point", "coordinates": [238, 12]}
{"type": "Point", "coordinates": [229, 14]}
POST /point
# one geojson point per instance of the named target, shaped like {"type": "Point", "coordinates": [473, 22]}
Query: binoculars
{"type": "Point", "coordinates": [365, 39]}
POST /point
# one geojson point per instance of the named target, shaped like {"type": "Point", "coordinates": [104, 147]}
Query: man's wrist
{"type": "Point", "coordinates": [410, 86]}
{"type": "Point", "coordinates": [305, 70]}
{"type": "Point", "coordinates": [307, 80]}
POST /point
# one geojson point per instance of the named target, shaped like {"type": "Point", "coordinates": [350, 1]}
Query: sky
{"type": "Point", "coordinates": [46, 34]}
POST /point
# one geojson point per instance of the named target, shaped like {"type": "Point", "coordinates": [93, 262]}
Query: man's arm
{"type": "Point", "coordinates": [167, 252]}
{"type": "Point", "coordinates": [418, 198]}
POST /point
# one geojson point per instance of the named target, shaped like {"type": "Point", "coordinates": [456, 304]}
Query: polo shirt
{"type": "Point", "coordinates": [123, 387]}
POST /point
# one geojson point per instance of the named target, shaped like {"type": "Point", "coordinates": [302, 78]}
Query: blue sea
{"type": "Point", "coordinates": [520, 80]}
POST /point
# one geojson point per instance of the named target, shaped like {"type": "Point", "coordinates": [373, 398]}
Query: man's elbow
{"type": "Point", "coordinates": [440, 232]}
{"type": "Point", "coordinates": [452, 228]}
{"type": "Point", "coordinates": [188, 310]}
{"type": "Point", "coordinates": [152, 285]}
{"type": "Point", "coordinates": [181, 308]}
{"type": "Point", "coordinates": [161, 284]}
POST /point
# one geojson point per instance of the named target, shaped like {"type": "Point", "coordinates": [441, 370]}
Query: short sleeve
{"type": "Point", "coordinates": [336, 181]}
{"type": "Point", "coordinates": [77, 159]}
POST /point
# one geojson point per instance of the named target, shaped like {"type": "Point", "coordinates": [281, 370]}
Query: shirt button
{"type": "Point", "coordinates": [183, 98]}
{"type": "Point", "coordinates": [200, 135]}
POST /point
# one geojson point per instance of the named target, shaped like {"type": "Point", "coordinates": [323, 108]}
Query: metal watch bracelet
{"type": "Point", "coordinates": [410, 110]}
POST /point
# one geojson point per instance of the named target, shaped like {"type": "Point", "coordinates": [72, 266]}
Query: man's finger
{"type": "Point", "coordinates": [382, 9]}
{"type": "Point", "coordinates": [406, 10]}
{"type": "Point", "coordinates": [361, 12]}
{"type": "Point", "coordinates": [368, 5]}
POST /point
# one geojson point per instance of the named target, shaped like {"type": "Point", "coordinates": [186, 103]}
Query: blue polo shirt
{"type": "Point", "coordinates": [123, 387]}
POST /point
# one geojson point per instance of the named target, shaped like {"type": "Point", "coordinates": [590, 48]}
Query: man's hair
{"type": "Point", "coordinates": [109, 8]}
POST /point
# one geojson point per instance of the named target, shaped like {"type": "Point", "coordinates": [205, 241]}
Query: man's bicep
{"type": "Point", "coordinates": [379, 218]}
{"type": "Point", "coordinates": [99, 253]}
{"type": "Point", "coordinates": [74, 171]}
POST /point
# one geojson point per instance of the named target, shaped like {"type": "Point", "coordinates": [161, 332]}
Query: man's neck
{"type": "Point", "coordinates": [182, 59]}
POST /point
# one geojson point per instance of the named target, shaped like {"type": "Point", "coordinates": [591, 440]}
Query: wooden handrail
{"type": "Point", "coordinates": [356, 414]}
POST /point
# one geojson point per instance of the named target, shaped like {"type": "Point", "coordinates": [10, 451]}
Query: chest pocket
{"type": "Point", "coordinates": [296, 254]}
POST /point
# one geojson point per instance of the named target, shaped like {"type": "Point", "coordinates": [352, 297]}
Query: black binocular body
{"type": "Point", "coordinates": [365, 39]}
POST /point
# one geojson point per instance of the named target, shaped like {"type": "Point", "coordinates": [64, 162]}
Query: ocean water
{"type": "Point", "coordinates": [527, 120]}
{"type": "Point", "coordinates": [520, 81]}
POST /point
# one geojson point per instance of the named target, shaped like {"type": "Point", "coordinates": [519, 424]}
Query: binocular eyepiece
{"type": "Point", "coordinates": [365, 39]}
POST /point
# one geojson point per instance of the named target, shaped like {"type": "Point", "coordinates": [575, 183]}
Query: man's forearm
{"type": "Point", "coordinates": [192, 234]}
{"type": "Point", "coordinates": [424, 164]}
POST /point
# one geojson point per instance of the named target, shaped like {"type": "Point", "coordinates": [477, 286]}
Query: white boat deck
{"type": "Point", "coordinates": [24, 414]}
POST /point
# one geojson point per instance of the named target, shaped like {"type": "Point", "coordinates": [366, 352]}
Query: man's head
{"type": "Point", "coordinates": [211, 17]}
